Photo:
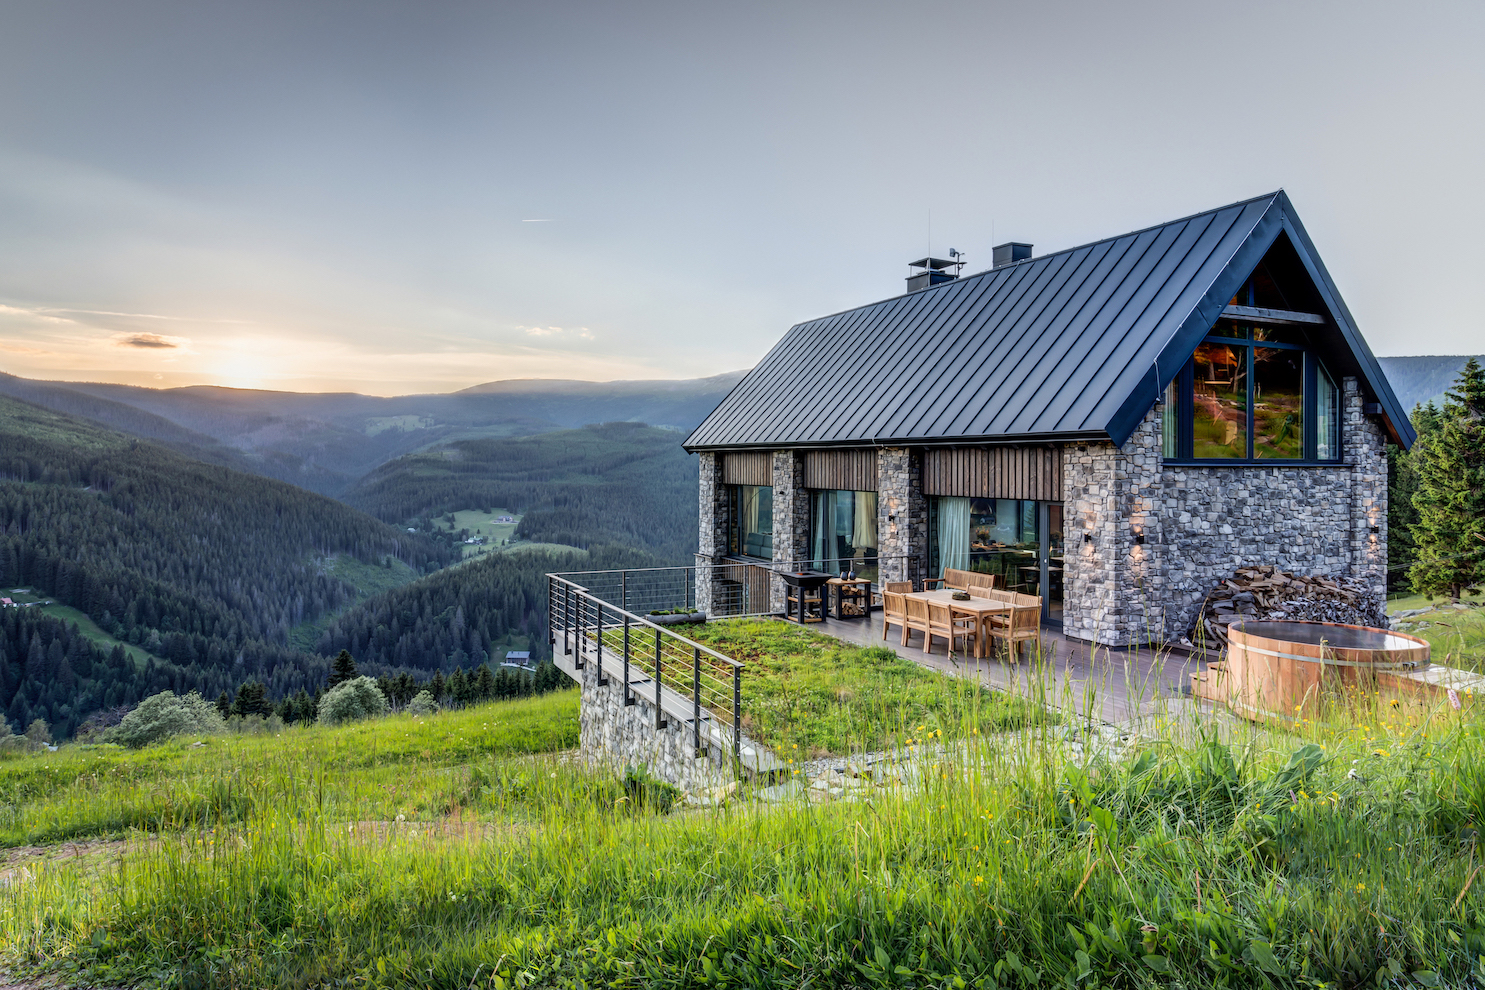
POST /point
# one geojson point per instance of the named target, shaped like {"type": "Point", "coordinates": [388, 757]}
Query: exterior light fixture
{"type": "Point", "coordinates": [1087, 537]}
{"type": "Point", "coordinates": [1139, 538]}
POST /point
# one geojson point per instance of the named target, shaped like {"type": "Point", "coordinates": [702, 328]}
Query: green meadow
{"type": "Point", "coordinates": [473, 849]}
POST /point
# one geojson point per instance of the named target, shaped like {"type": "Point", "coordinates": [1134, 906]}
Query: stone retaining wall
{"type": "Point", "coordinates": [623, 736]}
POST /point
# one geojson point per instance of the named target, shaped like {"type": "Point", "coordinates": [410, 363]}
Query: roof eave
{"type": "Point", "coordinates": [1002, 440]}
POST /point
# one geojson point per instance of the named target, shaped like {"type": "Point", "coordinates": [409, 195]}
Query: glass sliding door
{"type": "Point", "coordinates": [752, 521]}
{"type": "Point", "coordinates": [843, 532]}
{"type": "Point", "coordinates": [1019, 541]}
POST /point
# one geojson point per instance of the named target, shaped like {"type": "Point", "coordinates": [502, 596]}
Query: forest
{"type": "Point", "coordinates": [615, 483]}
{"type": "Point", "coordinates": [205, 567]}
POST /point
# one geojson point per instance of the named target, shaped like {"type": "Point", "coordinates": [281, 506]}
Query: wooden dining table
{"type": "Point", "coordinates": [980, 609]}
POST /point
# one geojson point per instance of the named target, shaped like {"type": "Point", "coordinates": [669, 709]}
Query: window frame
{"type": "Point", "coordinates": [736, 545]}
{"type": "Point", "coordinates": [1184, 394]}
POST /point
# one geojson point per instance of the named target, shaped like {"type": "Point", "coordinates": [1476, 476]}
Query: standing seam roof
{"type": "Point", "coordinates": [1075, 344]}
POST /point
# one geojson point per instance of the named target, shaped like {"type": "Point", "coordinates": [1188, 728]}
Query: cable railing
{"type": "Point", "coordinates": [685, 680]}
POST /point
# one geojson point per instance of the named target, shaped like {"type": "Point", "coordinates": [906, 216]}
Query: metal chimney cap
{"type": "Point", "coordinates": [1009, 253]}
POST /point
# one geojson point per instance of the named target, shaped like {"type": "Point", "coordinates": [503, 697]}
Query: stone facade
{"type": "Point", "coordinates": [1201, 523]}
{"type": "Point", "coordinates": [715, 528]}
{"type": "Point", "coordinates": [902, 512]}
{"type": "Point", "coordinates": [791, 520]}
{"type": "Point", "coordinates": [1144, 542]}
{"type": "Point", "coordinates": [624, 736]}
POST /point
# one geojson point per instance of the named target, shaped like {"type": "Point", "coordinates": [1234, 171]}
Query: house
{"type": "Point", "coordinates": [1115, 427]}
{"type": "Point", "coordinates": [518, 658]}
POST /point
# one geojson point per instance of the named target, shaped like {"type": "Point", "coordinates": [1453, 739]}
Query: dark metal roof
{"type": "Point", "coordinates": [1073, 345]}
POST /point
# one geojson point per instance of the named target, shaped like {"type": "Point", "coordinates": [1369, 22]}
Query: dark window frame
{"type": "Point", "coordinates": [1186, 399]}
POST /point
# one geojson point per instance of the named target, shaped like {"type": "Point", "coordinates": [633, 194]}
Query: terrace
{"type": "Point", "coordinates": [693, 701]}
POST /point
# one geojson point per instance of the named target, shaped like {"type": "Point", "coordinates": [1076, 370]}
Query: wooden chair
{"type": "Point", "coordinates": [896, 587]}
{"type": "Point", "coordinates": [943, 622]}
{"type": "Point", "coordinates": [1021, 624]}
{"type": "Point", "coordinates": [894, 611]}
{"type": "Point", "coordinates": [915, 619]}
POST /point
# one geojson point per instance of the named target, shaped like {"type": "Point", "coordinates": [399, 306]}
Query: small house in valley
{"type": "Point", "coordinates": [1114, 427]}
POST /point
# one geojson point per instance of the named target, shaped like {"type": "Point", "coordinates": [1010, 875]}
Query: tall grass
{"type": "Point", "coordinates": [1343, 854]}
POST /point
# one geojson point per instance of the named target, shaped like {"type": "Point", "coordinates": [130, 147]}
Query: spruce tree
{"type": "Point", "coordinates": [342, 668]}
{"type": "Point", "coordinates": [1450, 497]}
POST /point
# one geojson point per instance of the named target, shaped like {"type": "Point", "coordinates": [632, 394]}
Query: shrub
{"type": "Point", "coordinates": [164, 715]}
{"type": "Point", "coordinates": [422, 704]}
{"type": "Point", "coordinates": [352, 700]}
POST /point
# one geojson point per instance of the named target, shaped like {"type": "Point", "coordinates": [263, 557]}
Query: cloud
{"type": "Point", "coordinates": [149, 340]}
{"type": "Point", "coordinates": [582, 332]}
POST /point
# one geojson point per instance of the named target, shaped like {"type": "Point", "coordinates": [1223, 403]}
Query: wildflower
{"type": "Point", "coordinates": [1360, 887]}
{"type": "Point", "coordinates": [979, 879]}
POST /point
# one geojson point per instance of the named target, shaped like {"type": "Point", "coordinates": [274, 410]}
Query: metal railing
{"type": "Point", "coordinates": [681, 676]}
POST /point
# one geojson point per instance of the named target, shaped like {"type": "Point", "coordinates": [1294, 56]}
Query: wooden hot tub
{"type": "Point", "coordinates": [1283, 669]}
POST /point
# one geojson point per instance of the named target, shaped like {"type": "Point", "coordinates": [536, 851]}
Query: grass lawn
{"type": "Point", "coordinates": [1457, 636]}
{"type": "Point", "coordinates": [420, 768]}
{"type": "Point", "coordinates": [1345, 857]}
{"type": "Point", "coordinates": [811, 695]}
{"type": "Point", "coordinates": [480, 523]}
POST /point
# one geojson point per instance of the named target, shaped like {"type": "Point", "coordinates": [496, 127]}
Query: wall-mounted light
{"type": "Point", "coordinates": [1376, 529]}
{"type": "Point", "coordinates": [1087, 537]}
{"type": "Point", "coordinates": [1139, 538]}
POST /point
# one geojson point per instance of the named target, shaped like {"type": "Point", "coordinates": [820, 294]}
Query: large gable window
{"type": "Point", "coordinates": [1252, 392]}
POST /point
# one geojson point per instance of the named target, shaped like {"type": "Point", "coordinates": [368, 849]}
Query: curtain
{"type": "Point", "coordinates": [824, 530]}
{"type": "Point", "coordinates": [750, 513]}
{"type": "Point", "coordinates": [953, 533]}
{"type": "Point", "coordinates": [1327, 445]}
{"type": "Point", "coordinates": [864, 532]}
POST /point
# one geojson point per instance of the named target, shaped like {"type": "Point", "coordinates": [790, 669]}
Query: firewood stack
{"type": "Point", "coordinates": [1265, 592]}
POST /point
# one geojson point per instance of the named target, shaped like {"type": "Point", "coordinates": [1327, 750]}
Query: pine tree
{"type": "Point", "coordinates": [342, 668]}
{"type": "Point", "coordinates": [224, 704]}
{"type": "Point", "coordinates": [1450, 498]}
{"type": "Point", "coordinates": [252, 699]}
{"type": "Point", "coordinates": [437, 687]}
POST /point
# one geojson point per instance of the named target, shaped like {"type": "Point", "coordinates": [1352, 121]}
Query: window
{"type": "Point", "coordinates": [752, 521]}
{"type": "Point", "coordinates": [843, 530]}
{"type": "Point", "coordinates": [1252, 393]}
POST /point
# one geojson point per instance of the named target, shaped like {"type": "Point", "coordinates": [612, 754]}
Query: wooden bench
{"type": "Point", "coordinates": [960, 579]}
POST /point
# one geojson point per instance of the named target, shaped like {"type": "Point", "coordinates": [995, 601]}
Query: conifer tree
{"type": "Point", "coordinates": [1450, 497]}
{"type": "Point", "coordinates": [342, 668]}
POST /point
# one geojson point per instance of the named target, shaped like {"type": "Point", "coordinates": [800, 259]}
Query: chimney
{"type": "Point", "coordinates": [934, 271]}
{"type": "Point", "coordinates": [1009, 253]}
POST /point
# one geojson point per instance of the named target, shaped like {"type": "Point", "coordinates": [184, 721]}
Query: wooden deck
{"type": "Point", "coordinates": [1116, 685]}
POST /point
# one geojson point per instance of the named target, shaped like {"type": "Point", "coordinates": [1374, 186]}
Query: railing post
{"type": "Point", "coordinates": [582, 630]}
{"type": "Point", "coordinates": [737, 713]}
{"type": "Point", "coordinates": [628, 698]}
{"type": "Point", "coordinates": [624, 590]}
{"type": "Point", "coordinates": [660, 722]}
{"type": "Point", "coordinates": [602, 681]}
{"type": "Point", "coordinates": [566, 618]}
{"type": "Point", "coordinates": [696, 699]}
{"type": "Point", "coordinates": [551, 611]}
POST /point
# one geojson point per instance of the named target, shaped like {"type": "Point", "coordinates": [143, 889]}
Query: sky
{"type": "Point", "coordinates": [422, 196]}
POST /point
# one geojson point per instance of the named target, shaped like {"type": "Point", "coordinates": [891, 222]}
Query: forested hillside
{"type": "Point", "coordinates": [326, 441]}
{"type": "Point", "coordinates": [465, 615]}
{"type": "Point", "coordinates": [618, 483]}
{"type": "Point", "coordinates": [206, 567]}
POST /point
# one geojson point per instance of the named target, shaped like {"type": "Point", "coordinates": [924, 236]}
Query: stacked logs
{"type": "Point", "coordinates": [1265, 592]}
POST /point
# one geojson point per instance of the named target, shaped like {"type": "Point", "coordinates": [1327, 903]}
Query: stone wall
{"type": "Point", "coordinates": [902, 512]}
{"type": "Point", "coordinates": [1202, 523]}
{"type": "Point", "coordinates": [715, 524]}
{"type": "Point", "coordinates": [1364, 446]}
{"type": "Point", "coordinates": [791, 520]}
{"type": "Point", "coordinates": [622, 736]}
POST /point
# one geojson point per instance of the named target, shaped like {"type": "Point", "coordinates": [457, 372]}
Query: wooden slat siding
{"type": "Point", "coordinates": [847, 470]}
{"type": "Point", "coordinates": [994, 472]}
{"type": "Point", "coordinates": [750, 468]}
